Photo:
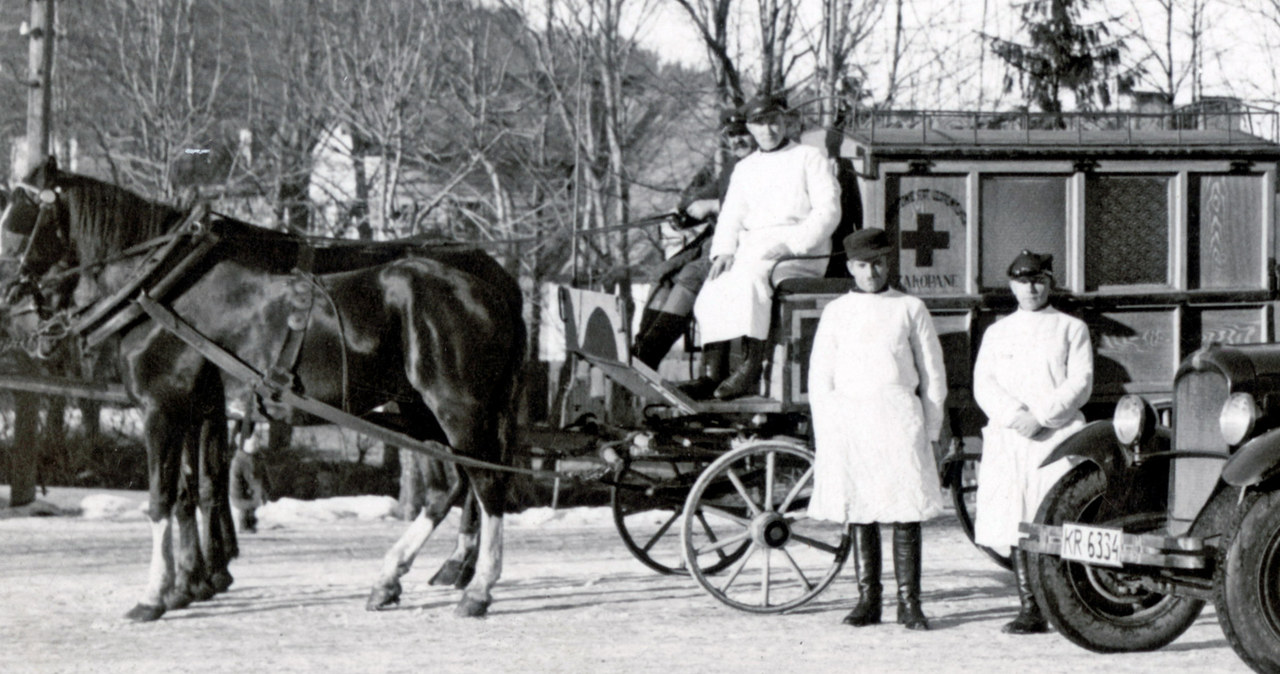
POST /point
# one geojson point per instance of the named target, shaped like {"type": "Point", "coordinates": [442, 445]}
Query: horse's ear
{"type": "Point", "coordinates": [45, 173]}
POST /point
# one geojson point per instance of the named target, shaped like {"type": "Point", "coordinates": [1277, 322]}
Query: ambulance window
{"type": "Point", "coordinates": [1021, 213]}
{"type": "Point", "coordinates": [1224, 231]}
{"type": "Point", "coordinates": [1126, 231]}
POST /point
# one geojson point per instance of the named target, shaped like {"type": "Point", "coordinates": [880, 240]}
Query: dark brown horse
{"type": "Point", "coordinates": [435, 329]}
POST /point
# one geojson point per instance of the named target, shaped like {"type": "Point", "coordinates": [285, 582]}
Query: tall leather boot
{"type": "Point", "coordinates": [1029, 619]}
{"type": "Point", "coordinates": [653, 343]}
{"type": "Point", "coordinates": [866, 565]}
{"type": "Point", "coordinates": [715, 360]}
{"type": "Point", "coordinates": [906, 567]}
{"type": "Point", "coordinates": [745, 379]}
{"type": "Point", "coordinates": [646, 322]}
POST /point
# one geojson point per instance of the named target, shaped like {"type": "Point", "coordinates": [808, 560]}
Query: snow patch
{"type": "Point", "coordinates": [288, 511]}
{"type": "Point", "coordinates": [111, 507]}
{"type": "Point", "coordinates": [561, 518]}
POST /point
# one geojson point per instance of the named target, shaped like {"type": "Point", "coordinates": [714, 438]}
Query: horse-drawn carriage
{"type": "Point", "coordinates": [1163, 227]}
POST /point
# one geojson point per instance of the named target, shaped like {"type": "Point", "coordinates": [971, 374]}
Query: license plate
{"type": "Point", "coordinates": [1091, 545]}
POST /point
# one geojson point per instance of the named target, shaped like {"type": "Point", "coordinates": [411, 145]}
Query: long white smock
{"type": "Point", "coordinates": [1040, 361]}
{"type": "Point", "coordinates": [788, 196]}
{"type": "Point", "coordinates": [877, 385]}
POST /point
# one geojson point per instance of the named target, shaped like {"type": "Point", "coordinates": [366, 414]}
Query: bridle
{"type": "Point", "coordinates": [27, 283]}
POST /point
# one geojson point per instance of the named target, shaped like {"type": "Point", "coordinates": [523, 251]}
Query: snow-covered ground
{"type": "Point", "coordinates": [571, 599]}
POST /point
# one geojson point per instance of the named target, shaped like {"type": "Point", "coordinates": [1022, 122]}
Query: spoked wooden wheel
{"type": "Point", "coordinates": [647, 499]}
{"type": "Point", "coordinates": [758, 494]}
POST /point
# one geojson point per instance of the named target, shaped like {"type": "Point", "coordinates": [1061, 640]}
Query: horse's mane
{"type": "Point", "coordinates": [103, 219]}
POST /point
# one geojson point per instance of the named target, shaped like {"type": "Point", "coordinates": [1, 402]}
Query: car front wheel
{"type": "Point", "coordinates": [1102, 609]}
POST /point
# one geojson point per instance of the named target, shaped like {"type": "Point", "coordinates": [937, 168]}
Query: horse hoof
{"type": "Point", "coordinates": [454, 572]}
{"type": "Point", "coordinates": [471, 608]}
{"type": "Point", "coordinates": [145, 613]}
{"type": "Point", "coordinates": [177, 599]}
{"type": "Point", "coordinates": [222, 581]}
{"type": "Point", "coordinates": [203, 591]}
{"type": "Point", "coordinates": [383, 597]}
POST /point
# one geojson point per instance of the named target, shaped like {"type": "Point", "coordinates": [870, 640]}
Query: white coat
{"type": "Point", "coordinates": [876, 390]}
{"type": "Point", "coordinates": [788, 196]}
{"type": "Point", "coordinates": [1041, 361]}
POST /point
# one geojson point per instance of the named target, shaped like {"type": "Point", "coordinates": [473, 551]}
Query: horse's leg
{"type": "Point", "coordinates": [193, 581]}
{"type": "Point", "coordinates": [399, 559]}
{"type": "Point", "coordinates": [460, 567]}
{"type": "Point", "coordinates": [162, 476]}
{"type": "Point", "coordinates": [491, 498]}
{"type": "Point", "coordinates": [217, 531]}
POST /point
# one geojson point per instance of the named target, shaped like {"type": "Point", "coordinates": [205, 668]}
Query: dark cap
{"type": "Point", "coordinates": [762, 108]}
{"type": "Point", "coordinates": [1029, 264]}
{"type": "Point", "coordinates": [732, 121]}
{"type": "Point", "coordinates": [867, 244]}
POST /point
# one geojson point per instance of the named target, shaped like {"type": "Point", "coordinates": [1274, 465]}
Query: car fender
{"type": "Point", "coordinates": [1255, 461]}
{"type": "Point", "coordinates": [1096, 442]}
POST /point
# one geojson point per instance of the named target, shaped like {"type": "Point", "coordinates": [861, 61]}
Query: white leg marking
{"type": "Point", "coordinates": [160, 575]}
{"type": "Point", "coordinates": [399, 558]}
{"type": "Point", "coordinates": [489, 563]}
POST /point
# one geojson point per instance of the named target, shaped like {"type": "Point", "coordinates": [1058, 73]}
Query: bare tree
{"type": "Point", "coordinates": [146, 78]}
{"type": "Point", "coordinates": [711, 19]}
{"type": "Point", "coordinates": [845, 25]}
{"type": "Point", "coordinates": [592, 70]}
{"type": "Point", "coordinates": [1170, 40]}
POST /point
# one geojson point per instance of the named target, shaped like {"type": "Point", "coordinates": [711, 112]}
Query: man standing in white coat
{"type": "Point", "coordinates": [783, 201]}
{"type": "Point", "coordinates": [1033, 373]}
{"type": "Point", "coordinates": [877, 385]}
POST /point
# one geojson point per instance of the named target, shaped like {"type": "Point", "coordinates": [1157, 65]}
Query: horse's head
{"type": "Point", "coordinates": [75, 225]}
{"type": "Point", "coordinates": [35, 212]}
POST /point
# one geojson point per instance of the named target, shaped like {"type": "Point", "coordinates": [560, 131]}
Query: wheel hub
{"type": "Point", "coordinates": [770, 530]}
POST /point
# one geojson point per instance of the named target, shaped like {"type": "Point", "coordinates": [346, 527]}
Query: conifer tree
{"type": "Point", "coordinates": [1062, 53]}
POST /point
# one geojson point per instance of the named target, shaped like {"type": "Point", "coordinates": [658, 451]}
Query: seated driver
{"type": "Point", "coordinates": [783, 201]}
{"type": "Point", "coordinates": [669, 309]}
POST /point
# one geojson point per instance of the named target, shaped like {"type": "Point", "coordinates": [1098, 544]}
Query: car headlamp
{"type": "Point", "coordinates": [1132, 418]}
{"type": "Point", "coordinates": [1237, 418]}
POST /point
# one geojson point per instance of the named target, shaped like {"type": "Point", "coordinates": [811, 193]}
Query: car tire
{"type": "Point", "coordinates": [1099, 608]}
{"type": "Point", "coordinates": [1246, 595]}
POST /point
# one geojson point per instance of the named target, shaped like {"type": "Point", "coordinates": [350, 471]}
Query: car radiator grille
{"type": "Point", "coordinates": [1198, 400]}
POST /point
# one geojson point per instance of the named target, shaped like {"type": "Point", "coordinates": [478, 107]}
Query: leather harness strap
{"type": "Point", "coordinates": [281, 375]}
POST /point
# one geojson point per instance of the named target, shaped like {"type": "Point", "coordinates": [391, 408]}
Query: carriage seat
{"type": "Point", "coordinates": [812, 286]}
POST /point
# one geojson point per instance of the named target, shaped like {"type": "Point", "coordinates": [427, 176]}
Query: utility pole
{"type": "Point", "coordinates": [25, 453]}
{"type": "Point", "coordinates": [39, 79]}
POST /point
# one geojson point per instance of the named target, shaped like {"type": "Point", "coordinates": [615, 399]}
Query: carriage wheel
{"type": "Point", "coordinates": [647, 500]}
{"type": "Point", "coordinates": [961, 477]}
{"type": "Point", "coordinates": [757, 495]}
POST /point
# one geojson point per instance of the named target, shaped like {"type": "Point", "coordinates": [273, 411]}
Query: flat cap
{"type": "Point", "coordinates": [763, 107]}
{"type": "Point", "coordinates": [867, 244]}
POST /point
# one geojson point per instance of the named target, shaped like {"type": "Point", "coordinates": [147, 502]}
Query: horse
{"type": "Point", "coordinates": [436, 329]}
